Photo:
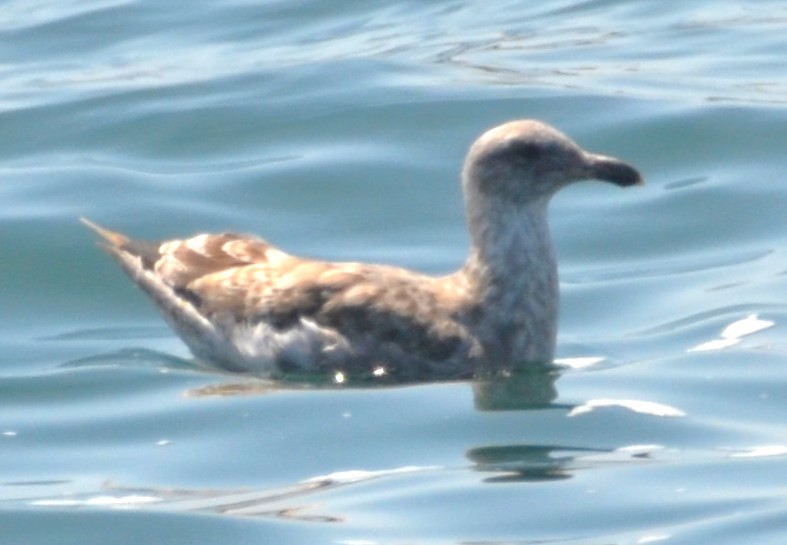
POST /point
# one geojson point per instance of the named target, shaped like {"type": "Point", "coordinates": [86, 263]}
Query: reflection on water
{"type": "Point", "coordinates": [530, 390]}
{"type": "Point", "coordinates": [333, 499]}
{"type": "Point", "coordinates": [521, 391]}
{"type": "Point", "coordinates": [294, 502]}
{"type": "Point", "coordinates": [535, 463]}
{"type": "Point", "coordinates": [527, 391]}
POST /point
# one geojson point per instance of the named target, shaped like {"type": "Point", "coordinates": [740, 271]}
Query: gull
{"type": "Point", "coordinates": [242, 304]}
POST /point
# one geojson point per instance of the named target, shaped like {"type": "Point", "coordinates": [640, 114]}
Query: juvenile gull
{"type": "Point", "coordinates": [241, 303]}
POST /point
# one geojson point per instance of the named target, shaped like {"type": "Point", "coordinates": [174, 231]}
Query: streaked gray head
{"type": "Point", "coordinates": [524, 161]}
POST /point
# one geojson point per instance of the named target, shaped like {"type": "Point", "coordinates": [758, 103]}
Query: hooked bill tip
{"type": "Point", "coordinates": [615, 171]}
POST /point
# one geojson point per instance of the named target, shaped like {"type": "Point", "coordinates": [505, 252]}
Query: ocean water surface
{"type": "Point", "coordinates": [338, 131]}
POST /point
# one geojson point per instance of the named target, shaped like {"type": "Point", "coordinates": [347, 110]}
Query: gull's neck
{"type": "Point", "coordinates": [511, 276]}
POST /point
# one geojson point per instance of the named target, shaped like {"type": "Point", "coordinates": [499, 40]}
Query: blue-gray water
{"type": "Point", "coordinates": [337, 130]}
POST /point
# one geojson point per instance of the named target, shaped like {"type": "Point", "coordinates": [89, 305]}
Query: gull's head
{"type": "Point", "coordinates": [526, 161]}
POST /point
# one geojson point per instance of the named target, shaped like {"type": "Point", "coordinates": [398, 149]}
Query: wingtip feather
{"type": "Point", "coordinates": [113, 238]}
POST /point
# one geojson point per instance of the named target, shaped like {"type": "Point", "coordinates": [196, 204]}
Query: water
{"type": "Point", "coordinates": [337, 132]}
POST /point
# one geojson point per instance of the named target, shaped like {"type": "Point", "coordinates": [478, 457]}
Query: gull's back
{"type": "Point", "coordinates": [242, 303]}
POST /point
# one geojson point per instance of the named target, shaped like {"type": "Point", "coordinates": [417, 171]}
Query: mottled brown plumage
{"type": "Point", "coordinates": [241, 303]}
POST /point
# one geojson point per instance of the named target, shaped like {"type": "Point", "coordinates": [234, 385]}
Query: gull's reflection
{"type": "Point", "coordinates": [515, 391]}
{"type": "Point", "coordinates": [526, 391]}
{"type": "Point", "coordinates": [499, 391]}
{"type": "Point", "coordinates": [531, 463]}
{"type": "Point", "coordinates": [537, 463]}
